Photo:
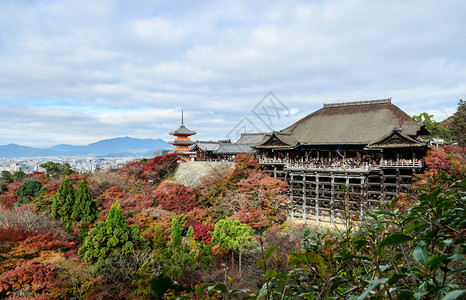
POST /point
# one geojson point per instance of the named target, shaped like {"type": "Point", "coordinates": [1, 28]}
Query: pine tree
{"type": "Point", "coordinates": [182, 256]}
{"type": "Point", "coordinates": [112, 237]}
{"type": "Point", "coordinates": [63, 202]}
{"type": "Point", "coordinates": [175, 234]}
{"type": "Point", "coordinates": [84, 208]}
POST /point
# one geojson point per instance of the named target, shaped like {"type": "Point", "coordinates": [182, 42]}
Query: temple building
{"type": "Point", "coordinates": [183, 142]}
{"type": "Point", "coordinates": [364, 130]}
{"type": "Point", "coordinates": [225, 150]}
{"type": "Point", "coordinates": [346, 158]}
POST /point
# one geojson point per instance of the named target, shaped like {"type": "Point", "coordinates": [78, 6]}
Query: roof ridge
{"type": "Point", "coordinates": [378, 101]}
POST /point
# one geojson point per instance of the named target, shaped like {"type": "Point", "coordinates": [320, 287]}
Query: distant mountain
{"type": "Point", "coordinates": [124, 146]}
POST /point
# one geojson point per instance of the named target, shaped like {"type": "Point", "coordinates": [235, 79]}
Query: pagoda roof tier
{"type": "Point", "coordinates": [182, 130]}
{"type": "Point", "coordinates": [182, 142]}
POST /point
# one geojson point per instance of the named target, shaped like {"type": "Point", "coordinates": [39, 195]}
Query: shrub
{"type": "Point", "coordinates": [29, 188]}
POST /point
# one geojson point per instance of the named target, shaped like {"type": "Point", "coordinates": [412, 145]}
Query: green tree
{"type": "Point", "coordinates": [63, 202]}
{"type": "Point", "coordinates": [29, 188]}
{"type": "Point", "coordinates": [182, 257]}
{"type": "Point", "coordinates": [52, 168]}
{"type": "Point", "coordinates": [458, 124]}
{"type": "Point", "coordinates": [232, 235]}
{"type": "Point", "coordinates": [19, 175]}
{"type": "Point", "coordinates": [112, 238]}
{"type": "Point", "coordinates": [437, 130]}
{"type": "Point", "coordinates": [66, 169]}
{"type": "Point", "coordinates": [175, 234]}
{"type": "Point", "coordinates": [7, 177]}
{"type": "Point", "coordinates": [84, 209]}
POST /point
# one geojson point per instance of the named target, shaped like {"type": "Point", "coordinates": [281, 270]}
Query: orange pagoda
{"type": "Point", "coordinates": [182, 141]}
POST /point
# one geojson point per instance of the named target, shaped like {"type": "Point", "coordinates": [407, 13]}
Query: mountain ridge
{"type": "Point", "coordinates": [119, 146]}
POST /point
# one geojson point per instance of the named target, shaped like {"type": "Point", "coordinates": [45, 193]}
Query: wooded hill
{"type": "Point", "coordinates": [116, 235]}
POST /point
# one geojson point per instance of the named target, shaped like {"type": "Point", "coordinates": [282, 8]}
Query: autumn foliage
{"type": "Point", "coordinates": [39, 256]}
{"type": "Point", "coordinates": [176, 197]}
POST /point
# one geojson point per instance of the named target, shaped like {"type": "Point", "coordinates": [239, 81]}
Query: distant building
{"type": "Point", "coordinates": [224, 150]}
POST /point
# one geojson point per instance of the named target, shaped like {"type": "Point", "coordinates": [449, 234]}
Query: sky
{"type": "Point", "coordinates": [76, 72]}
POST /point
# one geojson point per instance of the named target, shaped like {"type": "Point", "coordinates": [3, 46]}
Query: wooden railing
{"type": "Point", "coordinates": [344, 166]}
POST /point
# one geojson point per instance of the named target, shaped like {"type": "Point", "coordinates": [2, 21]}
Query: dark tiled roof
{"type": "Point", "coordinates": [207, 145]}
{"type": "Point", "coordinates": [396, 139]}
{"type": "Point", "coordinates": [182, 130]}
{"type": "Point", "coordinates": [278, 140]}
{"type": "Point", "coordinates": [251, 139]}
{"type": "Point", "coordinates": [353, 123]}
{"type": "Point", "coordinates": [225, 149]}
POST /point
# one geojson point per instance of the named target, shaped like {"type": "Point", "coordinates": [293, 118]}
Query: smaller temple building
{"type": "Point", "coordinates": [183, 142]}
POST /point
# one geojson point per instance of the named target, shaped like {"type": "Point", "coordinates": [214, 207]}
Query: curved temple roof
{"type": "Point", "coordinates": [182, 130]}
{"type": "Point", "coordinates": [353, 123]}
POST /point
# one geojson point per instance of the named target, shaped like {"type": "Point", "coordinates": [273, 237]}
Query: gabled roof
{"type": "Point", "coordinates": [396, 139]}
{"type": "Point", "coordinates": [207, 145]}
{"type": "Point", "coordinates": [226, 149]}
{"type": "Point", "coordinates": [353, 123]}
{"type": "Point", "coordinates": [182, 130]}
{"type": "Point", "coordinates": [278, 140]}
{"type": "Point", "coordinates": [251, 139]}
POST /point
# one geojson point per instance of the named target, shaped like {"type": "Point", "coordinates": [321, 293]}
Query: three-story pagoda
{"type": "Point", "coordinates": [182, 141]}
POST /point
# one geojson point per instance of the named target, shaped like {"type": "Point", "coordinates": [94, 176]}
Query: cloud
{"type": "Point", "coordinates": [114, 68]}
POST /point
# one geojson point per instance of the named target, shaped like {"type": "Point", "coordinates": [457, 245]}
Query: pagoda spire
{"type": "Point", "coordinates": [182, 117]}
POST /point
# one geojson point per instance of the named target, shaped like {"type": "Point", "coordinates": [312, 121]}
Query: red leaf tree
{"type": "Point", "coordinates": [176, 197]}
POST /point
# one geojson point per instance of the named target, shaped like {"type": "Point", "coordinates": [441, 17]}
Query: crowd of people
{"type": "Point", "coordinates": [343, 163]}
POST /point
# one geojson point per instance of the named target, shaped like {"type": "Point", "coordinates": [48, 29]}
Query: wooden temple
{"type": "Point", "coordinates": [345, 158]}
{"type": "Point", "coordinates": [183, 141]}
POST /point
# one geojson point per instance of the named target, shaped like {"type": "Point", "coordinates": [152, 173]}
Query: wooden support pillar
{"type": "Point", "coordinates": [304, 196]}
{"type": "Point", "coordinates": [317, 197]}
{"type": "Point", "coordinates": [275, 171]}
{"type": "Point", "coordinates": [346, 201]}
{"type": "Point", "coordinates": [398, 181]}
{"type": "Point", "coordinates": [382, 186]}
{"type": "Point", "coordinates": [332, 199]}
{"type": "Point", "coordinates": [363, 196]}
{"type": "Point", "coordinates": [291, 196]}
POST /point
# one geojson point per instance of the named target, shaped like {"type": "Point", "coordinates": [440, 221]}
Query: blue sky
{"type": "Point", "coordinates": [76, 72]}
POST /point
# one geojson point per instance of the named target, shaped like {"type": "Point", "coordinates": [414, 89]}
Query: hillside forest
{"type": "Point", "coordinates": [117, 235]}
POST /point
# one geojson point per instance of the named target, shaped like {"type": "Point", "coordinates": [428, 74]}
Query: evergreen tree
{"type": "Point", "coordinates": [29, 188]}
{"type": "Point", "coordinates": [458, 124]}
{"type": "Point", "coordinates": [175, 234]}
{"type": "Point", "coordinates": [182, 256]}
{"type": "Point", "coordinates": [112, 237]}
{"type": "Point", "coordinates": [63, 202]}
{"type": "Point", "coordinates": [84, 208]}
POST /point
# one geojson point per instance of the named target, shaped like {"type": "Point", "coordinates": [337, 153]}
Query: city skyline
{"type": "Point", "coordinates": [76, 72]}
